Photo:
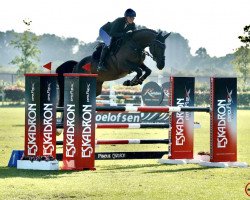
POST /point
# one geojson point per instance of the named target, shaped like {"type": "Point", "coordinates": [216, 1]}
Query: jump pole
{"type": "Point", "coordinates": [127, 141]}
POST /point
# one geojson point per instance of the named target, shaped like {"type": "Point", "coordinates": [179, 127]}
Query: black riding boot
{"type": "Point", "coordinates": [101, 66]}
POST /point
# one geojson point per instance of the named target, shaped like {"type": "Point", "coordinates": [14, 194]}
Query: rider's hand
{"type": "Point", "coordinates": [128, 34]}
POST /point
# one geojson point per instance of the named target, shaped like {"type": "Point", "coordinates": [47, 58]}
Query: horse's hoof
{"type": "Point", "coordinates": [140, 82]}
{"type": "Point", "coordinates": [127, 83]}
{"type": "Point", "coordinates": [134, 83]}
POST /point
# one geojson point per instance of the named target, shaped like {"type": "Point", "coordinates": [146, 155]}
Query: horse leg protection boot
{"type": "Point", "coordinates": [101, 66]}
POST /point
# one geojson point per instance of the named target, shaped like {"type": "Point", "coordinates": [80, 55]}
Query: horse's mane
{"type": "Point", "coordinates": [138, 33]}
{"type": "Point", "coordinates": [145, 30]}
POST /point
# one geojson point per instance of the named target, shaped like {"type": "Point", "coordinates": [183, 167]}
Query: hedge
{"type": "Point", "coordinates": [14, 94]}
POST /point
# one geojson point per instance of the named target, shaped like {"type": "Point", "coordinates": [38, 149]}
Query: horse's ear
{"type": "Point", "coordinates": [160, 33]}
{"type": "Point", "coordinates": [165, 37]}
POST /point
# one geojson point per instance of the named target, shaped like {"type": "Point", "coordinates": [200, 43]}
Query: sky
{"type": "Point", "coordinates": [212, 24]}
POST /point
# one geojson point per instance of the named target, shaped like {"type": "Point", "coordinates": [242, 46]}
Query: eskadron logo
{"type": "Point", "coordinates": [187, 95]}
{"type": "Point", "coordinates": [181, 117]}
{"type": "Point", "coordinates": [230, 114]}
{"type": "Point", "coordinates": [224, 116]}
{"type": "Point", "coordinates": [229, 96]}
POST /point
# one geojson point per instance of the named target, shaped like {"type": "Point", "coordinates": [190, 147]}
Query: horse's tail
{"type": "Point", "coordinates": [66, 67]}
{"type": "Point", "coordinates": [84, 66]}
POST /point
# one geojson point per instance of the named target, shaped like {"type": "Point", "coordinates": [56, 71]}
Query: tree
{"type": "Point", "coordinates": [242, 56]}
{"type": "Point", "coordinates": [26, 42]}
{"type": "Point", "coordinates": [246, 38]}
{"type": "Point", "coordinates": [202, 53]}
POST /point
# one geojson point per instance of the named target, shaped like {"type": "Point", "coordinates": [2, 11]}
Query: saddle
{"type": "Point", "coordinates": [113, 49]}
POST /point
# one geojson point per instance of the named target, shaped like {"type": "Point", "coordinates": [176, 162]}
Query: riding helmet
{"type": "Point", "coordinates": [130, 13]}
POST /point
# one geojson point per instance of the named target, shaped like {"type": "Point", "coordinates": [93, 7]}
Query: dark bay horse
{"type": "Point", "coordinates": [128, 58]}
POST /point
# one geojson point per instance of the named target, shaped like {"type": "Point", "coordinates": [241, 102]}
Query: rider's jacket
{"type": "Point", "coordinates": [118, 28]}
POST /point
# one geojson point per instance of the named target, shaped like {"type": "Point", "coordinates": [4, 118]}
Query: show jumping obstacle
{"type": "Point", "coordinates": [127, 125]}
{"type": "Point", "coordinates": [127, 141]}
{"type": "Point", "coordinates": [79, 122]}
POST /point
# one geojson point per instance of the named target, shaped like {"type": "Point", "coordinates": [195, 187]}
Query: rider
{"type": "Point", "coordinates": [113, 31]}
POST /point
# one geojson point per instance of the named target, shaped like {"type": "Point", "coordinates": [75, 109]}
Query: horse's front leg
{"type": "Point", "coordinates": [147, 73]}
{"type": "Point", "coordinates": [133, 68]}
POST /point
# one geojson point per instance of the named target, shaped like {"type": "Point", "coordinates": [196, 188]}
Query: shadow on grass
{"type": "Point", "coordinates": [12, 172]}
{"type": "Point", "coordinates": [155, 168]}
{"type": "Point", "coordinates": [128, 167]}
{"type": "Point", "coordinates": [194, 169]}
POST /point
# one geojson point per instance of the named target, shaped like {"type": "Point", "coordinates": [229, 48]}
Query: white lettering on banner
{"type": "Point", "coordinates": [70, 131]}
{"type": "Point", "coordinates": [112, 118]}
{"type": "Point", "coordinates": [32, 91]}
{"type": "Point", "coordinates": [180, 138]}
{"type": "Point", "coordinates": [118, 118]}
{"type": "Point", "coordinates": [48, 146]}
{"type": "Point", "coordinates": [49, 91]}
{"type": "Point", "coordinates": [124, 118]}
{"type": "Point", "coordinates": [32, 146]}
{"type": "Point", "coordinates": [221, 126]}
{"type": "Point", "coordinates": [86, 148]}
{"type": "Point", "coordinates": [70, 148]}
{"type": "Point", "coordinates": [87, 93]}
{"type": "Point", "coordinates": [104, 156]}
{"type": "Point", "coordinates": [230, 113]}
{"type": "Point", "coordinates": [71, 92]}
{"type": "Point", "coordinates": [118, 155]}
{"type": "Point", "coordinates": [187, 114]}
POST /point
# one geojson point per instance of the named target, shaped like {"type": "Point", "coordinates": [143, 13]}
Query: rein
{"type": "Point", "coordinates": [152, 45]}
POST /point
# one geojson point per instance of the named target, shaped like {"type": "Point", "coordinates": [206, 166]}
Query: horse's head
{"type": "Point", "coordinates": [157, 49]}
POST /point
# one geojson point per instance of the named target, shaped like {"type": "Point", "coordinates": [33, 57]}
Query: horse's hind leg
{"type": "Point", "coordinates": [98, 87]}
{"type": "Point", "coordinates": [66, 67]}
{"type": "Point", "coordinates": [147, 73]}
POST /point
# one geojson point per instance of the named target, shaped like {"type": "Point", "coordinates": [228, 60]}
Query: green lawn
{"type": "Point", "coordinates": [126, 179]}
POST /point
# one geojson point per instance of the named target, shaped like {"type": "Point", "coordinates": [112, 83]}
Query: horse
{"type": "Point", "coordinates": [121, 61]}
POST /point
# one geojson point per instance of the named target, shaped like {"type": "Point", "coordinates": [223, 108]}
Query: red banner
{"type": "Point", "coordinates": [40, 115]}
{"type": "Point", "coordinates": [182, 123]}
{"type": "Point", "coordinates": [79, 122]}
{"type": "Point", "coordinates": [223, 120]}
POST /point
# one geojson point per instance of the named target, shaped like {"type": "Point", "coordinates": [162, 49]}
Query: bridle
{"type": "Point", "coordinates": [152, 47]}
{"type": "Point", "coordinates": [156, 43]}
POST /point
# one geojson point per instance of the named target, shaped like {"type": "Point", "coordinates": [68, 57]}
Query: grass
{"type": "Point", "coordinates": [125, 179]}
